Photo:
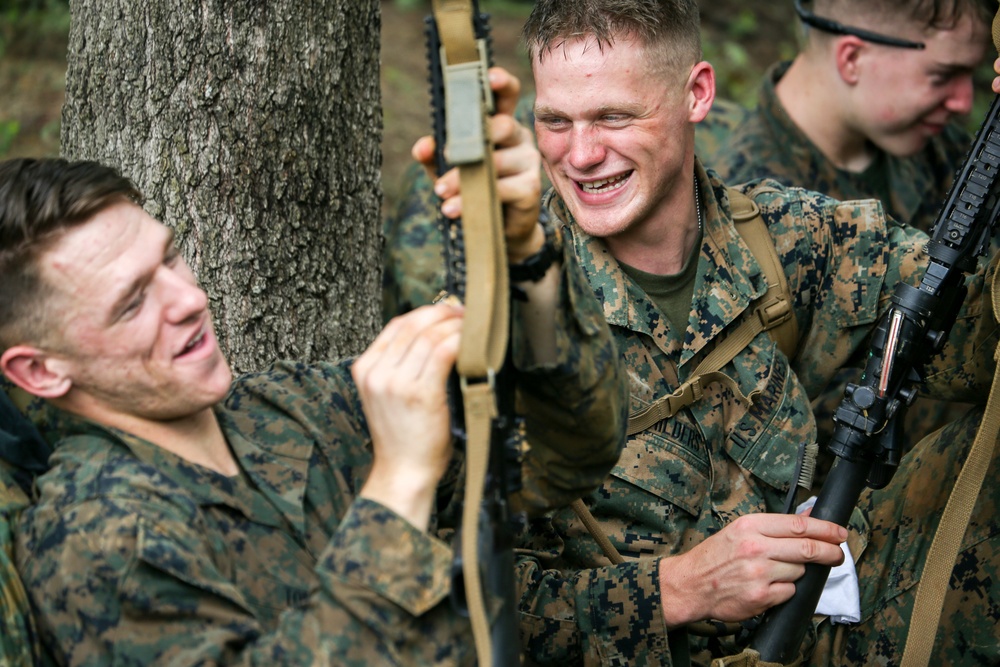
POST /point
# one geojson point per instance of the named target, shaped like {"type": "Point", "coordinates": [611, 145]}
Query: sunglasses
{"type": "Point", "coordinates": [826, 25]}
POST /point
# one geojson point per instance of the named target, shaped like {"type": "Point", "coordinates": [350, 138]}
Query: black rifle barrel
{"type": "Point", "coordinates": [915, 327]}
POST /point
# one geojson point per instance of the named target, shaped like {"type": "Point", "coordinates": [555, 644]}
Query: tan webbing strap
{"type": "Point", "coordinates": [772, 312]}
{"type": "Point", "coordinates": [485, 329]}
{"type": "Point", "coordinates": [947, 541]}
{"type": "Point", "coordinates": [775, 308]}
{"type": "Point", "coordinates": [594, 528]}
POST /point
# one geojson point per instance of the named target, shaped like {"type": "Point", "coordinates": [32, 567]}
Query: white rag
{"type": "Point", "coordinates": [840, 600]}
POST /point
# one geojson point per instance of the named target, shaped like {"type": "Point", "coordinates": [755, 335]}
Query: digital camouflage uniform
{"type": "Point", "coordinates": [23, 454]}
{"type": "Point", "coordinates": [413, 269]}
{"type": "Point", "coordinates": [133, 556]}
{"type": "Point", "coordinates": [768, 144]}
{"type": "Point", "coordinates": [686, 477]}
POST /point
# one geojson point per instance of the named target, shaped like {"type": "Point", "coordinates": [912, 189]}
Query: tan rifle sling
{"type": "Point", "coordinates": [487, 297]}
{"type": "Point", "coordinates": [947, 541]}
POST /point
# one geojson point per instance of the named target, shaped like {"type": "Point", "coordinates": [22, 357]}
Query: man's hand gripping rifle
{"type": "Point", "coordinates": [482, 390]}
{"type": "Point", "coordinates": [866, 439]}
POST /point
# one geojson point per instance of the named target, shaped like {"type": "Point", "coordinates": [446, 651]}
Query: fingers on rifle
{"type": "Point", "coordinates": [425, 325]}
{"type": "Point", "coordinates": [506, 89]}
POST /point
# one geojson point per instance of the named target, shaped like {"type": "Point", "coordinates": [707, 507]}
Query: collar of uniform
{"type": "Point", "coordinates": [728, 279]}
{"type": "Point", "coordinates": [85, 440]}
{"type": "Point", "coordinates": [801, 151]}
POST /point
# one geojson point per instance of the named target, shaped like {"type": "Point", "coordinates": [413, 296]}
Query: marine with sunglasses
{"type": "Point", "coordinates": [872, 106]}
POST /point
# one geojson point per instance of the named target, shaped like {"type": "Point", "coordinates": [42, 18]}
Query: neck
{"type": "Point", "coordinates": [196, 438]}
{"type": "Point", "coordinates": [661, 250]}
{"type": "Point", "coordinates": [814, 98]}
{"type": "Point", "coordinates": [661, 245]}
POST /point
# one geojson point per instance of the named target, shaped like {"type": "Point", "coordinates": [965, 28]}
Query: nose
{"type": "Point", "coordinates": [960, 96]}
{"type": "Point", "coordinates": [586, 148]}
{"type": "Point", "coordinates": [182, 297]}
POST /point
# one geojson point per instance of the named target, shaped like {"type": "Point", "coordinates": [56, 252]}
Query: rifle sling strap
{"type": "Point", "coordinates": [771, 312]}
{"type": "Point", "coordinates": [947, 541]}
{"type": "Point", "coordinates": [487, 305]}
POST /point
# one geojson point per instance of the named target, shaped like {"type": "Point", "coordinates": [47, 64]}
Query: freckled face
{"type": "Point", "coordinates": [612, 133]}
{"type": "Point", "coordinates": [904, 99]}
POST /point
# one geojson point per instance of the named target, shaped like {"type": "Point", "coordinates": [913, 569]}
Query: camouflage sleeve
{"type": "Point", "coordinates": [843, 267]}
{"type": "Point", "coordinates": [132, 585]}
{"type": "Point", "coordinates": [19, 644]}
{"type": "Point", "coordinates": [576, 408]}
{"type": "Point", "coordinates": [610, 615]}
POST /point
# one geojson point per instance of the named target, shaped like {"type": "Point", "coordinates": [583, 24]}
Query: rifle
{"type": "Point", "coordinates": [484, 422]}
{"type": "Point", "coordinates": [867, 436]}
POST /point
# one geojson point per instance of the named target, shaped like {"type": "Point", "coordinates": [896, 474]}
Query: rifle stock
{"type": "Point", "coordinates": [866, 435]}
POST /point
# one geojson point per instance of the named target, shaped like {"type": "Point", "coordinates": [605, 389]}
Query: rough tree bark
{"type": "Point", "coordinates": [253, 129]}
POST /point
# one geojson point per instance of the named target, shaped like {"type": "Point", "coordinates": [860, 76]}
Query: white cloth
{"type": "Point", "coordinates": [840, 600]}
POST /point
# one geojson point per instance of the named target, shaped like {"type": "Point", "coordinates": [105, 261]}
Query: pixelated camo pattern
{"type": "Point", "coordinates": [768, 144]}
{"type": "Point", "coordinates": [133, 556]}
{"type": "Point", "coordinates": [685, 478]}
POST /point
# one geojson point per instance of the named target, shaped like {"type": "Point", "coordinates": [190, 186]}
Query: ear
{"type": "Point", "coordinates": [848, 51]}
{"type": "Point", "coordinates": [35, 371]}
{"type": "Point", "coordinates": [701, 87]}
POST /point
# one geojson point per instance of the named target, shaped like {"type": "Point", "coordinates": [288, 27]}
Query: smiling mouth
{"type": "Point", "coordinates": [605, 184]}
{"type": "Point", "coordinates": [194, 343]}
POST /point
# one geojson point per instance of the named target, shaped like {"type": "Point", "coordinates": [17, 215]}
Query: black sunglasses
{"type": "Point", "coordinates": [826, 25]}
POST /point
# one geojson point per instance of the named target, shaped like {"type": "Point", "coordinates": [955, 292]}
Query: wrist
{"type": "Point", "coordinates": [545, 250]}
{"type": "Point", "coordinates": [408, 493]}
{"type": "Point", "coordinates": [677, 611]}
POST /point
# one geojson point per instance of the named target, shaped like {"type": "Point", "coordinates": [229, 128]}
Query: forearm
{"type": "Point", "coordinates": [575, 406]}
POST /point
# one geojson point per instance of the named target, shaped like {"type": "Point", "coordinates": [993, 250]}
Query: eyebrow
{"type": "Point", "coordinates": [633, 109]}
{"type": "Point", "coordinates": [138, 283]}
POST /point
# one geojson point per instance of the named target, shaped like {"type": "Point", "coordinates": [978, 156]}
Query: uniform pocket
{"type": "Point", "coordinates": [661, 461]}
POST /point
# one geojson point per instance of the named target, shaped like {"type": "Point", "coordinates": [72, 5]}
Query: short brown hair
{"type": "Point", "coordinates": [929, 14]}
{"type": "Point", "coordinates": [40, 199]}
{"type": "Point", "coordinates": [670, 29]}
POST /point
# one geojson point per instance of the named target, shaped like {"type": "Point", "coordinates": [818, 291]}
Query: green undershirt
{"type": "Point", "coordinates": [671, 293]}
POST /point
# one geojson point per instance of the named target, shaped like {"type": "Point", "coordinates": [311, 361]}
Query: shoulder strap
{"type": "Point", "coordinates": [940, 559]}
{"type": "Point", "coordinates": [775, 307]}
{"type": "Point", "coordinates": [771, 312]}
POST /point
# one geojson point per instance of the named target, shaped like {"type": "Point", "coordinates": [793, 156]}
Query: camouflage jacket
{"type": "Point", "coordinates": [685, 478]}
{"type": "Point", "coordinates": [23, 454]}
{"type": "Point", "coordinates": [769, 144]}
{"type": "Point", "coordinates": [131, 555]}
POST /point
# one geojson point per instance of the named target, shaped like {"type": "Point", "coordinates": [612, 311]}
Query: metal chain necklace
{"type": "Point", "coordinates": [697, 202]}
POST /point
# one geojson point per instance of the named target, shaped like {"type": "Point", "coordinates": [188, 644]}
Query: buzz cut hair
{"type": "Point", "coordinates": [670, 30]}
{"type": "Point", "coordinates": [928, 14]}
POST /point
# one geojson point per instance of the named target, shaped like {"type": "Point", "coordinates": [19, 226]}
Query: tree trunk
{"type": "Point", "coordinates": [253, 129]}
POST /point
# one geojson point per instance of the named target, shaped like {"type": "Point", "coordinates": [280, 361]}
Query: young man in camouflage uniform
{"type": "Point", "coordinates": [693, 504]}
{"type": "Point", "coordinates": [285, 517]}
{"type": "Point", "coordinates": [856, 118]}
{"type": "Point", "coordinates": [413, 273]}
{"type": "Point", "coordinates": [871, 107]}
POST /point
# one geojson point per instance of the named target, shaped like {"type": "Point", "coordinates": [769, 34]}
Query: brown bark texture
{"type": "Point", "coordinates": [253, 129]}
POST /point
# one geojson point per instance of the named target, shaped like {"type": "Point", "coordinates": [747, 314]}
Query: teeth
{"type": "Point", "coordinates": [194, 341]}
{"type": "Point", "coordinates": [605, 184]}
